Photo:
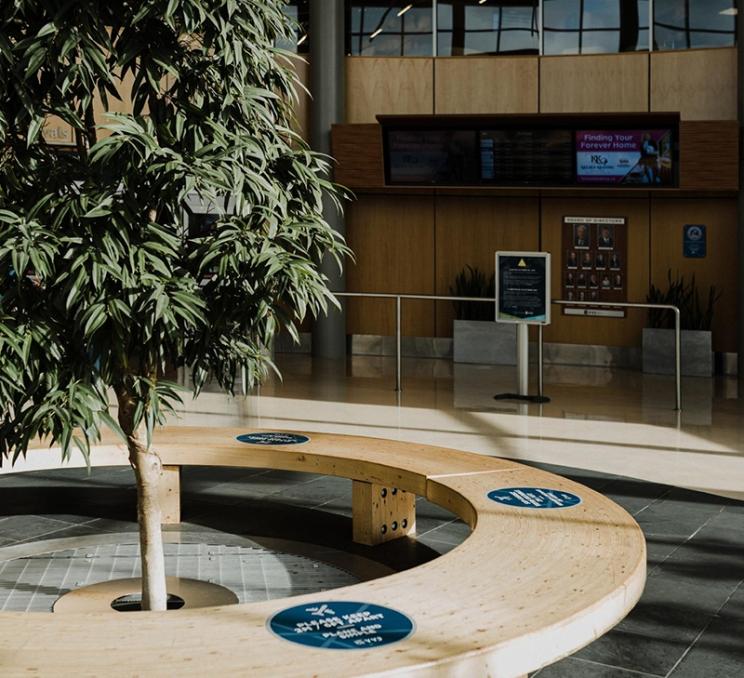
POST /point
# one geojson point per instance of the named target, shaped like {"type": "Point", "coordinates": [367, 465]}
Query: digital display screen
{"type": "Point", "coordinates": [530, 157]}
{"type": "Point", "coordinates": [546, 153]}
{"type": "Point", "coordinates": [629, 157]}
{"type": "Point", "coordinates": [443, 156]}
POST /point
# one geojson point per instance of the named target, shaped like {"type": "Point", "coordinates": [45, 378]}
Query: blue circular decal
{"type": "Point", "coordinates": [273, 438]}
{"type": "Point", "coordinates": [534, 497]}
{"type": "Point", "coordinates": [341, 625]}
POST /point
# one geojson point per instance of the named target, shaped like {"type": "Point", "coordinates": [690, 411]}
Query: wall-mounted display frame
{"type": "Point", "coordinates": [595, 264]}
{"type": "Point", "coordinates": [605, 151]}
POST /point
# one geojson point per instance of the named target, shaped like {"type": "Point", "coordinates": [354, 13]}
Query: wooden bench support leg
{"type": "Point", "coordinates": [170, 495]}
{"type": "Point", "coordinates": [381, 513]}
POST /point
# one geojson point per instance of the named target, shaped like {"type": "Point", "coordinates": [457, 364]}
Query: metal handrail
{"type": "Point", "coordinates": [559, 302]}
{"type": "Point", "coordinates": [677, 334]}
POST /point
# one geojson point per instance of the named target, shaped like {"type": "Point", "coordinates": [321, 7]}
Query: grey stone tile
{"type": "Point", "coordinates": [338, 505]}
{"type": "Point", "coordinates": [634, 496]}
{"type": "Point", "coordinates": [728, 519]}
{"type": "Point", "coordinates": [661, 546]}
{"type": "Point", "coordinates": [314, 493]}
{"type": "Point", "coordinates": [69, 531]}
{"type": "Point", "coordinates": [199, 478]}
{"type": "Point", "coordinates": [635, 650]}
{"type": "Point", "coordinates": [571, 667]}
{"type": "Point", "coordinates": [714, 556]}
{"type": "Point", "coordinates": [441, 547]}
{"type": "Point", "coordinates": [71, 518]}
{"type": "Point", "coordinates": [454, 532]}
{"type": "Point", "coordinates": [655, 635]}
{"type": "Point", "coordinates": [110, 525]}
{"type": "Point", "coordinates": [734, 608]}
{"type": "Point", "coordinates": [718, 653]}
{"type": "Point", "coordinates": [25, 527]}
{"type": "Point", "coordinates": [675, 517]}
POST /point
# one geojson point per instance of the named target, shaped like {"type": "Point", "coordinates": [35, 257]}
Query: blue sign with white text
{"type": "Point", "coordinates": [273, 438]}
{"type": "Point", "coordinates": [694, 241]}
{"type": "Point", "coordinates": [534, 497]}
{"type": "Point", "coordinates": [341, 625]}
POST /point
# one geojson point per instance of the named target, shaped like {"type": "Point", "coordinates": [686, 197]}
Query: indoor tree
{"type": "Point", "coordinates": [104, 287]}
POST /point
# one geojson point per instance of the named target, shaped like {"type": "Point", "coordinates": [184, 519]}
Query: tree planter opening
{"type": "Point", "coordinates": [125, 595]}
{"type": "Point", "coordinates": [133, 603]}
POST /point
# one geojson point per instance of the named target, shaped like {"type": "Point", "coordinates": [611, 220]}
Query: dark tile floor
{"type": "Point", "coordinates": [688, 624]}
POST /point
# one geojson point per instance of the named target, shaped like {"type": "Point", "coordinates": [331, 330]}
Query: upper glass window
{"type": "Point", "coordinates": [487, 27]}
{"type": "Point", "coordinates": [300, 12]}
{"type": "Point", "coordinates": [379, 28]}
{"type": "Point", "coordinates": [594, 26]}
{"type": "Point", "coordinates": [680, 24]}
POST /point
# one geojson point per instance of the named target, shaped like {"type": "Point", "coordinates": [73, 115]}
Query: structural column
{"type": "Point", "coordinates": [327, 86]}
{"type": "Point", "coordinates": [740, 215]}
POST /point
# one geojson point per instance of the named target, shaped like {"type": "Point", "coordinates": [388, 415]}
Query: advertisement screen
{"type": "Point", "coordinates": [636, 157]}
{"type": "Point", "coordinates": [434, 156]}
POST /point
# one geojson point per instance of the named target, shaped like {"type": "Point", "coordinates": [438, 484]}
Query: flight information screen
{"type": "Point", "coordinates": [527, 157]}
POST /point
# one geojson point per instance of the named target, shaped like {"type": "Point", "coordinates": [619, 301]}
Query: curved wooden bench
{"type": "Point", "coordinates": [527, 587]}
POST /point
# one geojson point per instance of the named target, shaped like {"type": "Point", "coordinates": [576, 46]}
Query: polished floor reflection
{"type": "Point", "coordinates": [610, 420]}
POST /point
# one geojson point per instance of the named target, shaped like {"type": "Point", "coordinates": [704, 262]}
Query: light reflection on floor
{"type": "Point", "coordinates": [614, 421]}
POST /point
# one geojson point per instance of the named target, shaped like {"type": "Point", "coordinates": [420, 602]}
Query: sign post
{"type": "Point", "coordinates": [523, 297]}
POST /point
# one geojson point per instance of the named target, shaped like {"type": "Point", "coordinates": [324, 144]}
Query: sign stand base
{"type": "Point", "coordinates": [523, 370]}
{"type": "Point", "coordinates": [526, 398]}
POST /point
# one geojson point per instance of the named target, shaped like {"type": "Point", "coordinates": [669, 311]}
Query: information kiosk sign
{"type": "Point", "coordinates": [523, 287]}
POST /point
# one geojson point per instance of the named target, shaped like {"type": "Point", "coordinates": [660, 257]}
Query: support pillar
{"type": "Point", "coordinates": [170, 495]}
{"type": "Point", "coordinates": [740, 210]}
{"type": "Point", "coordinates": [381, 513]}
{"type": "Point", "coordinates": [327, 85]}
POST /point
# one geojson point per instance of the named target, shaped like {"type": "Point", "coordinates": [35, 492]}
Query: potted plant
{"type": "Point", "coordinates": [696, 318]}
{"type": "Point", "coordinates": [477, 338]}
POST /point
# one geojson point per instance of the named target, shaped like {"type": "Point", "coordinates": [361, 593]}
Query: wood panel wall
{"type": "Point", "coordinates": [608, 83]}
{"type": "Point", "coordinates": [377, 86]}
{"type": "Point", "coordinates": [357, 150]}
{"type": "Point", "coordinates": [393, 240]}
{"type": "Point", "coordinates": [469, 230]}
{"type": "Point", "coordinates": [699, 83]}
{"type": "Point", "coordinates": [709, 155]}
{"type": "Point", "coordinates": [718, 268]}
{"type": "Point", "coordinates": [443, 233]}
{"type": "Point", "coordinates": [486, 85]}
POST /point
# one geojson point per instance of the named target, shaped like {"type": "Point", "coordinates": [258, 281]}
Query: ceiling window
{"type": "Point", "coordinates": [681, 24]}
{"type": "Point", "coordinates": [487, 27]}
{"type": "Point", "coordinates": [379, 28]}
{"type": "Point", "coordinates": [595, 26]}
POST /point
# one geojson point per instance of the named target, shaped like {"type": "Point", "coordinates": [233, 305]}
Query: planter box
{"type": "Point", "coordinates": [696, 354]}
{"type": "Point", "coordinates": [484, 342]}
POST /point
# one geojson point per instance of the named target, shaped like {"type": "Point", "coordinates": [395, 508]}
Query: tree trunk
{"type": "Point", "coordinates": [147, 470]}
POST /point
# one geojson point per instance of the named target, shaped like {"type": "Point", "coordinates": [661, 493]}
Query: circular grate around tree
{"type": "Point", "coordinates": [33, 583]}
